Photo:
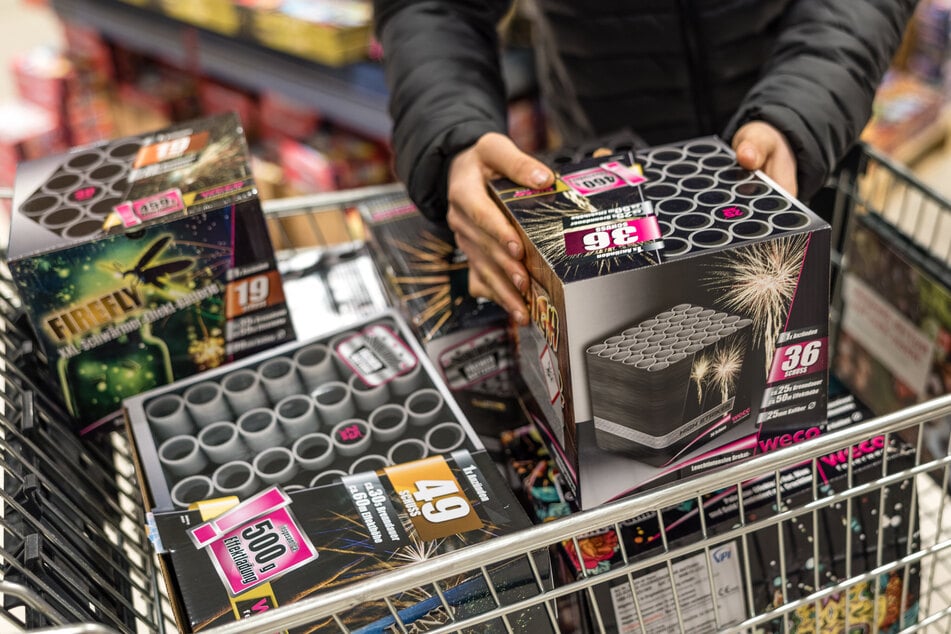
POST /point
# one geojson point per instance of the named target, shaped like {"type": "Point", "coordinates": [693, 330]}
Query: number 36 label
{"type": "Point", "coordinates": [433, 499]}
{"type": "Point", "coordinates": [799, 359]}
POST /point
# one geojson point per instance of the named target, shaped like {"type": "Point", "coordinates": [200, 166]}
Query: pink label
{"type": "Point", "coordinates": [158, 205]}
{"type": "Point", "coordinates": [593, 181]}
{"type": "Point", "coordinates": [264, 502]}
{"type": "Point", "coordinates": [126, 215]}
{"type": "Point", "coordinates": [616, 235]}
{"type": "Point", "coordinates": [799, 359]}
{"type": "Point", "coordinates": [260, 550]}
{"type": "Point", "coordinates": [630, 175]}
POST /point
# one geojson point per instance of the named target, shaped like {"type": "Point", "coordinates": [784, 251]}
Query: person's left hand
{"type": "Point", "coordinates": [760, 146]}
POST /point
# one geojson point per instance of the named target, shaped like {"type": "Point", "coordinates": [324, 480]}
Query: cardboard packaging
{"type": "Point", "coordinates": [357, 398]}
{"type": "Point", "coordinates": [144, 260]}
{"type": "Point", "coordinates": [359, 461]}
{"type": "Point", "coordinates": [283, 548]}
{"type": "Point", "coordinates": [679, 309]}
{"type": "Point", "coordinates": [467, 339]}
{"type": "Point", "coordinates": [894, 346]}
{"type": "Point", "coordinates": [760, 584]}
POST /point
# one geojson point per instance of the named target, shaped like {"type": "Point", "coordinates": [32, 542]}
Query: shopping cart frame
{"type": "Point", "coordinates": [850, 194]}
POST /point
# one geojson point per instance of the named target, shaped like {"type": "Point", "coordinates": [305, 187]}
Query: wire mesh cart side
{"type": "Point", "coordinates": [843, 532]}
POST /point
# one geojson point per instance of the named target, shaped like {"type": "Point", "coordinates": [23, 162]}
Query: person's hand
{"type": "Point", "coordinates": [760, 146]}
{"type": "Point", "coordinates": [482, 230]}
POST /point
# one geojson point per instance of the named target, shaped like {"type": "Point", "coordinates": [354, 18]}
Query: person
{"type": "Point", "coordinates": [789, 83]}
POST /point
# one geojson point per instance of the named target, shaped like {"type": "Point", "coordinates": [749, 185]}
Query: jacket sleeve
{"type": "Point", "coordinates": [441, 60]}
{"type": "Point", "coordinates": [818, 85]}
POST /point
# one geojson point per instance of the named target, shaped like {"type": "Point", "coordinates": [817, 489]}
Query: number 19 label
{"type": "Point", "coordinates": [253, 293]}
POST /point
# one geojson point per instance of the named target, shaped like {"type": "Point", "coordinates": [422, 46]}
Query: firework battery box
{"type": "Point", "coordinates": [893, 348]}
{"type": "Point", "coordinates": [145, 260]}
{"type": "Point", "coordinates": [468, 339]}
{"type": "Point", "coordinates": [354, 458]}
{"type": "Point", "coordinates": [356, 399]}
{"type": "Point", "coordinates": [278, 548]}
{"type": "Point", "coordinates": [777, 573]}
{"type": "Point", "coordinates": [679, 315]}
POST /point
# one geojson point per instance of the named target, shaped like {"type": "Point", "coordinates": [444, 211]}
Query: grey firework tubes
{"type": "Point", "coordinates": [275, 465]}
{"type": "Point", "coordinates": [222, 443]}
{"type": "Point", "coordinates": [259, 429]}
{"type": "Point", "coordinates": [243, 390]}
{"type": "Point", "coordinates": [168, 417]}
{"type": "Point", "coordinates": [192, 489]}
{"type": "Point", "coordinates": [181, 456]}
{"type": "Point", "coordinates": [674, 367]}
{"type": "Point", "coordinates": [236, 478]}
{"type": "Point", "coordinates": [206, 403]}
{"type": "Point", "coordinates": [297, 416]}
{"type": "Point", "coordinates": [279, 378]}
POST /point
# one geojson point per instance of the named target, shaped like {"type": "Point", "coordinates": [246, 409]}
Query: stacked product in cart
{"type": "Point", "coordinates": [777, 574]}
{"type": "Point", "coordinates": [679, 309]}
{"type": "Point", "coordinates": [350, 458]}
{"type": "Point", "coordinates": [66, 514]}
{"type": "Point", "coordinates": [894, 347]}
{"type": "Point", "coordinates": [145, 260]}
{"type": "Point", "coordinates": [426, 276]}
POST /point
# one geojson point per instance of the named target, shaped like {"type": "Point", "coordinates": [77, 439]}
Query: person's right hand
{"type": "Point", "coordinates": [482, 230]}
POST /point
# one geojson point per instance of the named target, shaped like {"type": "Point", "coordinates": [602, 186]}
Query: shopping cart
{"type": "Point", "coordinates": [75, 556]}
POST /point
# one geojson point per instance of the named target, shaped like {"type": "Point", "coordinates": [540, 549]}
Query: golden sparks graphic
{"type": "Point", "coordinates": [698, 373]}
{"type": "Point", "coordinates": [727, 363]}
{"type": "Point", "coordinates": [760, 280]}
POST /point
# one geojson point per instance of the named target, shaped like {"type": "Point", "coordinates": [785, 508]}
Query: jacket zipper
{"type": "Point", "coordinates": [699, 88]}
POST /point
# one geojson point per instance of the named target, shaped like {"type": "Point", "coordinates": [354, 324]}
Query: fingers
{"type": "Point", "coordinates": [760, 146]}
{"type": "Point", "coordinates": [501, 155]}
{"type": "Point", "coordinates": [483, 231]}
{"type": "Point", "coordinates": [489, 281]}
{"type": "Point", "coordinates": [471, 208]}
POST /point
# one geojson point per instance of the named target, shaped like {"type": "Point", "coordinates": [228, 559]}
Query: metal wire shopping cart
{"type": "Point", "coordinates": [821, 575]}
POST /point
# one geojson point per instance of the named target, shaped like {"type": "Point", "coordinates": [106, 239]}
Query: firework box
{"type": "Point", "coordinates": [679, 309]}
{"type": "Point", "coordinates": [893, 348]}
{"type": "Point", "coordinates": [144, 260]}
{"type": "Point", "coordinates": [776, 574]}
{"type": "Point", "coordinates": [275, 549]}
{"type": "Point", "coordinates": [357, 398]}
{"type": "Point", "coordinates": [426, 278]}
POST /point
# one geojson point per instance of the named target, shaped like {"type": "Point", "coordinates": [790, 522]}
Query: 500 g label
{"type": "Point", "coordinates": [261, 550]}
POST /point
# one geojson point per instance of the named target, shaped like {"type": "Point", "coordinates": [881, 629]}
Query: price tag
{"type": "Point", "coordinates": [432, 497]}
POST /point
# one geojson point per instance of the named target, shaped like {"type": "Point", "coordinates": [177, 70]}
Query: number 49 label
{"type": "Point", "coordinates": [433, 499]}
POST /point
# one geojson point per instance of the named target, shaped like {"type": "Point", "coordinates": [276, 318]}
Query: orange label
{"type": "Point", "coordinates": [170, 149]}
{"type": "Point", "coordinates": [433, 499]}
{"type": "Point", "coordinates": [253, 293]}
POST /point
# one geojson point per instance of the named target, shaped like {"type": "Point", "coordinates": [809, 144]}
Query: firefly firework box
{"type": "Point", "coordinates": [679, 315]}
{"type": "Point", "coordinates": [144, 260]}
{"type": "Point", "coordinates": [278, 548]}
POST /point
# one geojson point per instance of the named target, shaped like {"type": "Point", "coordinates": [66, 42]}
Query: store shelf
{"type": "Point", "coordinates": [335, 92]}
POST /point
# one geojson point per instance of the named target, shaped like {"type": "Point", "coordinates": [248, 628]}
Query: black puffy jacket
{"type": "Point", "coordinates": [668, 69]}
